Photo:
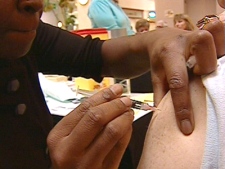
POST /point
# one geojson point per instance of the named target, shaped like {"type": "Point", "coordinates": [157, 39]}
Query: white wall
{"type": "Point", "coordinates": [49, 17]}
{"type": "Point", "coordinates": [83, 20]}
{"type": "Point", "coordinates": [161, 6]}
{"type": "Point", "coordinates": [198, 9]}
{"type": "Point", "coordinates": [53, 17]}
{"type": "Point", "coordinates": [138, 4]}
{"type": "Point", "coordinates": [145, 5]}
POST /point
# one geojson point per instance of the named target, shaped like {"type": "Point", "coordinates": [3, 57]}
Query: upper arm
{"type": "Point", "coordinates": [165, 146]}
{"type": "Point", "coordinates": [60, 52]}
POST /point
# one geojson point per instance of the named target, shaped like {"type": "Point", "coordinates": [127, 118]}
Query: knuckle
{"type": "Point", "coordinates": [164, 50]}
{"type": "Point", "coordinates": [85, 106]}
{"type": "Point", "coordinates": [168, 48]}
{"type": "Point", "coordinates": [118, 104]}
{"type": "Point", "coordinates": [183, 114]}
{"type": "Point", "coordinates": [112, 131]}
{"type": "Point", "coordinates": [51, 140]}
{"type": "Point", "coordinates": [107, 94]}
{"type": "Point", "coordinates": [129, 115]}
{"type": "Point", "coordinates": [180, 37]}
{"type": "Point", "coordinates": [115, 131]}
{"type": "Point", "coordinates": [95, 116]}
{"type": "Point", "coordinates": [58, 158]}
{"type": "Point", "coordinates": [203, 36]}
{"type": "Point", "coordinates": [176, 82]}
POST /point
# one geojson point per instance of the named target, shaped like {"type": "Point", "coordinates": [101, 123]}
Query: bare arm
{"type": "Point", "coordinates": [165, 147]}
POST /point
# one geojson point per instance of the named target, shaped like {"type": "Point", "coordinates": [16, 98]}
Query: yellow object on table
{"type": "Point", "coordinates": [91, 85]}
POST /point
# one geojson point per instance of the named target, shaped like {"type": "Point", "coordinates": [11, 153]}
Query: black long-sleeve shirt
{"type": "Point", "coordinates": [25, 120]}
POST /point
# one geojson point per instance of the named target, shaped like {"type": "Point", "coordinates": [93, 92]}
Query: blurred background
{"type": "Point", "coordinates": [72, 14]}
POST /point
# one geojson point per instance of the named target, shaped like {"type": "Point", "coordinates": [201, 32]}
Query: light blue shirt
{"type": "Point", "coordinates": [107, 14]}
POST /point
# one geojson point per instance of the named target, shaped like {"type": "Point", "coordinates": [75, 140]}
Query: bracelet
{"type": "Point", "coordinates": [206, 20]}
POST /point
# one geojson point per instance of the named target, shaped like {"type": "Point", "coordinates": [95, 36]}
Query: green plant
{"type": "Point", "coordinates": [67, 8]}
{"type": "Point", "coordinates": [48, 6]}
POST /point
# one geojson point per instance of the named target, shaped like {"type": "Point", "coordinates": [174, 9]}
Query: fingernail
{"type": "Point", "coordinates": [126, 101]}
{"type": "Point", "coordinates": [186, 127]}
{"type": "Point", "coordinates": [191, 62]}
{"type": "Point", "coordinates": [116, 89]}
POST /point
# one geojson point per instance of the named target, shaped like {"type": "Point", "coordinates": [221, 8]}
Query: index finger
{"type": "Point", "coordinates": [203, 48]}
{"type": "Point", "coordinates": [177, 78]}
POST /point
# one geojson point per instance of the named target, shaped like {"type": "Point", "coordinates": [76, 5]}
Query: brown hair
{"type": "Point", "coordinates": [141, 23]}
{"type": "Point", "coordinates": [186, 18]}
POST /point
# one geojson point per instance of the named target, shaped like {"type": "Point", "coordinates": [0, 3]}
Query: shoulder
{"type": "Point", "coordinates": [98, 7]}
{"type": "Point", "coordinates": [99, 3]}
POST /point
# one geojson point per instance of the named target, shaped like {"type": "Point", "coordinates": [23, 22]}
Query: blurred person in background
{"type": "Point", "coordinates": [142, 25]}
{"type": "Point", "coordinates": [183, 21]}
{"type": "Point", "coordinates": [108, 14]}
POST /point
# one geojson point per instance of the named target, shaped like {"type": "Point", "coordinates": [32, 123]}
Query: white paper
{"type": "Point", "coordinates": [56, 90]}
